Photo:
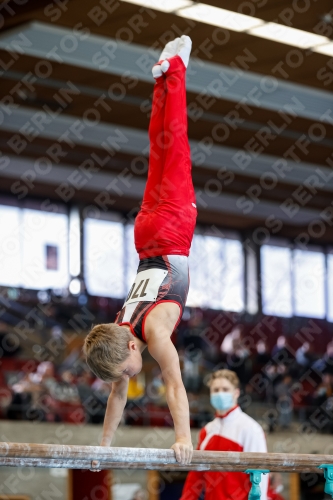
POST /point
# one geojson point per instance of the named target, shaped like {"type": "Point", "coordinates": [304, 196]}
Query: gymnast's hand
{"type": "Point", "coordinates": [183, 450]}
{"type": "Point", "coordinates": [96, 463]}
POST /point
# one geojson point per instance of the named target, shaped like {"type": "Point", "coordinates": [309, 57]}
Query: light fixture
{"type": "Point", "coordinates": [215, 16]}
{"type": "Point", "coordinates": [326, 49]}
{"type": "Point", "coordinates": [287, 35]}
{"type": "Point", "coordinates": [219, 17]}
{"type": "Point", "coordinates": [162, 5]}
{"type": "Point", "coordinates": [75, 286]}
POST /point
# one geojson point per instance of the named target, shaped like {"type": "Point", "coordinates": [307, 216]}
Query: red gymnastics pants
{"type": "Point", "coordinates": [166, 221]}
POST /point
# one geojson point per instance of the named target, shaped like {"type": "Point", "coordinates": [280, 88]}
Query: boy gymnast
{"type": "Point", "coordinates": [163, 234]}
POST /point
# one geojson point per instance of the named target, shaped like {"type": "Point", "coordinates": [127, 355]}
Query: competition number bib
{"type": "Point", "coordinates": [146, 285]}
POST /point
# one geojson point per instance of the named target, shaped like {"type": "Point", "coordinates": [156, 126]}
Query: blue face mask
{"type": "Point", "coordinates": [221, 400]}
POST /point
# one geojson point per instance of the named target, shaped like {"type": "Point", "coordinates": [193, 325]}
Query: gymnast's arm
{"type": "Point", "coordinates": [165, 353]}
{"type": "Point", "coordinates": [114, 409]}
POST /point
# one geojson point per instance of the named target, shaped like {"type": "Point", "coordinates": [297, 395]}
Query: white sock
{"type": "Point", "coordinates": [184, 47]}
{"type": "Point", "coordinates": [156, 70]}
{"type": "Point", "coordinates": [169, 50]}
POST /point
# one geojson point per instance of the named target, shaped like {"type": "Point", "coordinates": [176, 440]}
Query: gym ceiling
{"type": "Point", "coordinates": [76, 93]}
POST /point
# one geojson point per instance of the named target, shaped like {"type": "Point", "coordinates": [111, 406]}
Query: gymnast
{"type": "Point", "coordinates": [163, 234]}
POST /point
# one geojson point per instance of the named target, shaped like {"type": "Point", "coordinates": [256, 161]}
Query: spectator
{"type": "Point", "coordinates": [262, 356]}
{"type": "Point", "coordinates": [66, 390]}
{"type": "Point", "coordinates": [31, 394]}
{"type": "Point", "coordinates": [323, 391]}
{"type": "Point", "coordinates": [304, 357]}
{"type": "Point", "coordinates": [46, 375]}
{"type": "Point", "coordinates": [280, 345]}
{"type": "Point", "coordinates": [192, 360]}
{"type": "Point", "coordinates": [281, 352]}
{"type": "Point", "coordinates": [325, 364]}
{"type": "Point", "coordinates": [239, 361]}
{"type": "Point", "coordinates": [84, 382]}
{"type": "Point", "coordinates": [228, 344]}
{"type": "Point", "coordinates": [98, 401]}
{"type": "Point", "coordinates": [190, 337]}
{"type": "Point", "coordinates": [231, 430]}
{"type": "Point", "coordinates": [21, 400]}
{"type": "Point", "coordinates": [284, 401]}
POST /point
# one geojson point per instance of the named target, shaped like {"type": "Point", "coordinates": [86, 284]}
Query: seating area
{"type": "Point", "coordinates": [285, 380]}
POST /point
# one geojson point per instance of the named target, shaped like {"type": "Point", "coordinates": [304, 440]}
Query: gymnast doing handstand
{"type": "Point", "coordinates": [163, 234]}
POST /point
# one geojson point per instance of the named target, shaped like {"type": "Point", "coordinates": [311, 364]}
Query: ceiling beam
{"type": "Point", "coordinates": [63, 128]}
{"type": "Point", "coordinates": [107, 55]}
{"type": "Point", "coordinates": [112, 186]}
{"type": "Point", "coordinates": [133, 100]}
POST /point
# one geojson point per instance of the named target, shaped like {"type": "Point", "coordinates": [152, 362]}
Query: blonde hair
{"type": "Point", "coordinates": [227, 374]}
{"type": "Point", "coordinates": [105, 348]}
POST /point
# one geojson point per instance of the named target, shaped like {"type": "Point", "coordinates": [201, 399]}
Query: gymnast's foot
{"type": "Point", "coordinates": [180, 46]}
{"type": "Point", "coordinates": [169, 50]}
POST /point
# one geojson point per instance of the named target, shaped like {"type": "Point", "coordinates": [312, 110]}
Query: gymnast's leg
{"type": "Point", "coordinates": [166, 221]}
{"type": "Point", "coordinates": [177, 206]}
{"type": "Point", "coordinates": [177, 183]}
{"type": "Point", "coordinates": [156, 134]}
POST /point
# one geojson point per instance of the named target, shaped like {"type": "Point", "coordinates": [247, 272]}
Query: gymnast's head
{"type": "Point", "coordinates": [112, 352]}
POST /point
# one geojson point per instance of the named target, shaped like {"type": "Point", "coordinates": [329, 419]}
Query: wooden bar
{"type": "Point", "coordinates": [80, 457]}
{"type": "Point", "coordinates": [106, 465]}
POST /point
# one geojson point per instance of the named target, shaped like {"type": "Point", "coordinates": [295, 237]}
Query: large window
{"type": "Point", "coordinates": [104, 259]}
{"type": "Point", "coordinates": [330, 286]}
{"type": "Point", "coordinates": [276, 280]}
{"type": "Point", "coordinates": [34, 248]}
{"type": "Point", "coordinates": [132, 258]}
{"type": "Point", "coordinates": [293, 282]}
{"type": "Point", "coordinates": [45, 250]}
{"type": "Point", "coordinates": [216, 273]}
{"type": "Point", "coordinates": [10, 247]}
{"type": "Point", "coordinates": [309, 283]}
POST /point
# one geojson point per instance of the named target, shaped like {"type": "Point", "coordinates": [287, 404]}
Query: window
{"type": "Point", "coordinates": [216, 273]}
{"type": "Point", "coordinates": [309, 286]}
{"type": "Point", "coordinates": [10, 248]}
{"type": "Point", "coordinates": [44, 250]}
{"type": "Point", "coordinates": [132, 258]}
{"type": "Point", "coordinates": [196, 297]}
{"type": "Point", "coordinates": [292, 282]}
{"type": "Point", "coordinates": [276, 280]}
{"type": "Point", "coordinates": [104, 258]}
{"type": "Point", "coordinates": [233, 276]}
{"type": "Point", "coordinates": [34, 248]}
{"type": "Point", "coordinates": [330, 286]}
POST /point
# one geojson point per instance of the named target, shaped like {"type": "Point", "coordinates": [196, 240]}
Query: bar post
{"type": "Point", "coordinates": [328, 475]}
{"type": "Point", "coordinates": [255, 478]}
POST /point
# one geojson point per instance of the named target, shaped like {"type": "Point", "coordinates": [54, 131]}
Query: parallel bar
{"type": "Point", "coordinates": [80, 457]}
{"type": "Point", "coordinates": [85, 464]}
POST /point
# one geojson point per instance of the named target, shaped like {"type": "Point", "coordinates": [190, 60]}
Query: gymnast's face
{"type": "Point", "coordinates": [133, 364]}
